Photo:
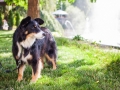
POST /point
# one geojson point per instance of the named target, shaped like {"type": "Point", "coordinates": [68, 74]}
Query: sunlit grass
{"type": "Point", "coordinates": [80, 66]}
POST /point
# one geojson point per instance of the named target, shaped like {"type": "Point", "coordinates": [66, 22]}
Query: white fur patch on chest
{"type": "Point", "coordinates": [30, 39]}
{"type": "Point", "coordinates": [25, 59]}
{"type": "Point", "coordinates": [28, 42]}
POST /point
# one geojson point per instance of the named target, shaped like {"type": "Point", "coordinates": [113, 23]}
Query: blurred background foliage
{"type": "Point", "coordinates": [47, 7]}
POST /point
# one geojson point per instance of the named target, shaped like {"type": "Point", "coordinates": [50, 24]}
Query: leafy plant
{"type": "Point", "coordinates": [10, 19]}
{"type": "Point", "coordinates": [17, 19]}
{"type": "Point", "coordinates": [78, 38]}
{"type": "Point", "coordinates": [62, 41]}
{"type": "Point", "coordinates": [22, 3]}
{"type": "Point", "coordinates": [0, 20]}
{"type": "Point", "coordinates": [51, 22]}
{"type": "Point", "coordinates": [93, 1]}
{"type": "Point", "coordinates": [61, 4]}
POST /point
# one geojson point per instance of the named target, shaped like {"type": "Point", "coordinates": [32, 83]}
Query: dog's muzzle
{"type": "Point", "coordinates": [40, 35]}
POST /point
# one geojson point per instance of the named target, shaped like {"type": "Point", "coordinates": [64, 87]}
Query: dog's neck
{"type": "Point", "coordinates": [28, 42]}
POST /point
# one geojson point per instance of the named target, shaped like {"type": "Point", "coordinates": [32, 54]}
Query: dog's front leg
{"type": "Point", "coordinates": [19, 50]}
{"type": "Point", "coordinates": [36, 71]}
{"type": "Point", "coordinates": [20, 72]}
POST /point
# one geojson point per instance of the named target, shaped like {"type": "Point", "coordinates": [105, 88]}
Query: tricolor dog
{"type": "Point", "coordinates": [31, 44]}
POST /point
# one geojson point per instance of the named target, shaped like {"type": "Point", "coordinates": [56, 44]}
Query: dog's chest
{"type": "Point", "coordinates": [26, 56]}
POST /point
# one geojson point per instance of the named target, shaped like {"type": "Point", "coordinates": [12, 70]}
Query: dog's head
{"type": "Point", "coordinates": [31, 28]}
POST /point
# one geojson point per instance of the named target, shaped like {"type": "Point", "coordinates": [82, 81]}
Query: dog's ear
{"type": "Point", "coordinates": [39, 20]}
{"type": "Point", "coordinates": [25, 21]}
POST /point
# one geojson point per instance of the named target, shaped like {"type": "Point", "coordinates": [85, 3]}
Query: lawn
{"type": "Point", "coordinates": [80, 66]}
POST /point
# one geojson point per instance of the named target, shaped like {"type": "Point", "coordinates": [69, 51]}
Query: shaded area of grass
{"type": "Point", "coordinates": [80, 66]}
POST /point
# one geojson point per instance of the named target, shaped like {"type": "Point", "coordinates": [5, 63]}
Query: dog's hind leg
{"type": "Point", "coordinates": [36, 71]}
{"type": "Point", "coordinates": [51, 60]}
{"type": "Point", "coordinates": [20, 72]}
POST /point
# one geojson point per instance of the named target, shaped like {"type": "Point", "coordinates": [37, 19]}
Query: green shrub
{"type": "Point", "coordinates": [51, 22]}
{"type": "Point", "coordinates": [17, 19]}
{"type": "Point", "coordinates": [62, 41]}
{"type": "Point", "coordinates": [10, 19]}
{"type": "Point", "coordinates": [78, 38]}
{"type": "Point", "coordinates": [1, 21]}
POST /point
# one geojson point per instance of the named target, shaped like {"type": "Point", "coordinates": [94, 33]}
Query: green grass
{"type": "Point", "coordinates": [80, 66]}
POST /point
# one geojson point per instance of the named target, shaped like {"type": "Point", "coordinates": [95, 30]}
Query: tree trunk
{"type": "Point", "coordinates": [33, 9]}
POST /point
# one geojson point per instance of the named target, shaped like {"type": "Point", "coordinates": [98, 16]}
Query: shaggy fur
{"type": "Point", "coordinates": [31, 44]}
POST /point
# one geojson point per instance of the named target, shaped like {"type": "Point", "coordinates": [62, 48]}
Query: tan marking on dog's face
{"type": "Point", "coordinates": [31, 35]}
{"type": "Point", "coordinates": [28, 42]}
{"type": "Point", "coordinates": [38, 35]}
{"type": "Point", "coordinates": [26, 32]}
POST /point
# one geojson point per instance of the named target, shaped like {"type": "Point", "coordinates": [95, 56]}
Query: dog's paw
{"type": "Point", "coordinates": [33, 81]}
{"type": "Point", "coordinates": [54, 68]}
{"type": "Point", "coordinates": [20, 78]}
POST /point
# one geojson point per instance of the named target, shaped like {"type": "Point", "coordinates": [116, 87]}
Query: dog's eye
{"type": "Point", "coordinates": [35, 26]}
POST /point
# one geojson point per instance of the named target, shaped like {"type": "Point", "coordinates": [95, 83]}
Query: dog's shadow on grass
{"type": "Point", "coordinates": [63, 68]}
{"type": "Point", "coordinates": [79, 63]}
{"type": "Point", "coordinates": [104, 75]}
{"type": "Point", "coordinates": [87, 76]}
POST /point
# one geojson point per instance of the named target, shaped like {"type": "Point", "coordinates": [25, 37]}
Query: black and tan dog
{"type": "Point", "coordinates": [31, 44]}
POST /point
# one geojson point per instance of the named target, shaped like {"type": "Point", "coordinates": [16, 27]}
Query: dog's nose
{"type": "Point", "coordinates": [44, 34]}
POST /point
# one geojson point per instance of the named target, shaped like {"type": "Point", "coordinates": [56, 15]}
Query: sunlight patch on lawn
{"type": "Point", "coordinates": [5, 54]}
{"type": "Point", "coordinates": [6, 32]}
{"type": "Point", "coordinates": [69, 55]}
